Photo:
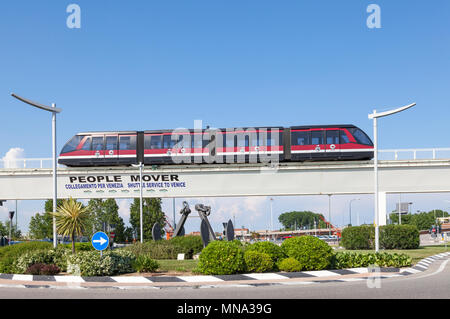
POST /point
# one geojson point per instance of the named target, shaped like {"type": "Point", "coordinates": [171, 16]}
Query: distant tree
{"type": "Point", "coordinates": [151, 213]}
{"type": "Point", "coordinates": [301, 219]}
{"type": "Point", "coordinates": [422, 220]}
{"type": "Point", "coordinates": [41, 226]}
{"type": "Point", "coordinates": [49, 204]}
{"type": "Point", "coordinates": [4, 231]}
{"type": "Point", "coordinates": [15, 232]}
{"type": "Point", "coordinates": [106, 211]}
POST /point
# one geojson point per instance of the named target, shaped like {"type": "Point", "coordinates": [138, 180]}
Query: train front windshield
{"type": "Point", "coordinates": [72, 144]}
{"type": "Point", "coordinates": [361, 137]}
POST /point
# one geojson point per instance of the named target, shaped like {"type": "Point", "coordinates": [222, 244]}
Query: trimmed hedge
{"type": "Point", "coordinates": [256, 261]}
{"type": "Point", "coordinates": [160, 249]}
{"type": "Point", "coordinates": [9, 254]}
{"type": "Point", "coordinates": [222, 258]}
{"type": "Point", "coordinates": [391, 237]}
{"type": "Point", "coordinates": [275, 252]}
{"type": "Point", "coordinates": [190, 244]}
{"type": "Point", "coordinates": [89, 263]}
{"type": "Point", "coordinates": [358, 237]}
{"type": "Point", "coordinates": [399, 237]}
{"type": "Point", "coordinates": [289, 265]}
{"type": "Point", "coordinates": [311, 252]}
{"type": "Point", "coordinates": [56, 256]}
{"type": "Point", "coordinates": [347, 259]}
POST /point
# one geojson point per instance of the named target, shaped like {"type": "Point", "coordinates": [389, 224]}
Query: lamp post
{"type": "Point", "coordinates": [54, 110]}
{"type": "Point", "coordinates": [11, 215]}
{"type": "Point", "coordinates": [140, 165]}
{"type": "Point", "coordinates": [350, 209]}
{"type": "Point", "coordinates": [375, 116]}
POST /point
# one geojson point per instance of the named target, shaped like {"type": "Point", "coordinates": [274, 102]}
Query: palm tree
{"type": "Point", "coordinates": [71, 219]}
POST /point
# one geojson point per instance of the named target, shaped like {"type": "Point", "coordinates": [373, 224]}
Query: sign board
{"type": "Point", "coordinates": [404, 208]}
{"type": "Point", "coordinates": [100, 241]}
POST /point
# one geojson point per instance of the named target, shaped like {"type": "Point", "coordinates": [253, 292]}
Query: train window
{"type": "Point", "coordinates": [332, 137]}
{"type": "Point", "coordinates": [344, 137]}
{"type": "Point", "coordinates": [111, 143]}
{"type": "Point", "coordinates": [300, 138]}
{"type": "Point", "coordinates": [152, 142]}
{"type": "Point", "coordinates": [316, 137]}
{"type": "Point", "coordinates": [72, 144]}
{"type": "Point", "coordinates": [87, 144]}
{"type": "Point", "coordinates": [360, 136]}
{"type": "Point", "coordinates": [97, 143]}
{"type": "Point", "coordinates": [127, 143]}
{"type": "Point", "coordinates": [168, 142]}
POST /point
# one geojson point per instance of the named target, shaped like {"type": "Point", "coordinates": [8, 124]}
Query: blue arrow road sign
{"type": "Point", "coordinates": [100, 241]}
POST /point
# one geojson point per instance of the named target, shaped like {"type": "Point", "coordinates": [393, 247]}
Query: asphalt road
{"type": "Point", "coordinates": [433, 283]}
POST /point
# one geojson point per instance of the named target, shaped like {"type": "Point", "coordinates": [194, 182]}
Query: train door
{"type": "Point", "coordinates": [111, 149]}
{"type": "Point", "coordinates": [98, 149]}
{"type": "Point", "coordinates": [318, 143]}
{"type": "Point", "coordinates": [301, 147]}
{"type": "Point", "coordinates": [153, 149]}
{"type": "Point", "coordinates": [127, 149]}
{"type": "Point", "coordinates": [332, 146]}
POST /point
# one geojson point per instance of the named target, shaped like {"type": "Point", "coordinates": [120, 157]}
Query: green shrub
{"type": "Point", "coordinates": [289, 265]}
{"type": "Point", "coordinates": [391, 237]}
{"type": "Point", "coordinates": [89, 263]}
{"type": "Point", "coordinates": [399, 237]}
{"type": "Point", "coordinates": [9, 254]}
{"type": "Point", "coordinates": [221, 258]}
{"type": "Point", "coordinates": [190, 244]}
{"type": "Point", "coordinates": [159, 249]}
{"type": "Point", "coordinates": [56, 256]}
{"type": "Point", "coordinates": [43, 269]}
{"type": "Point", "coordinates": [256, 261]}
{"type": "Point", "coordinates": [144, 263]}
{"type": "Point", "coordinates": [358, 237]}
{"type": "Point", "coordinates": [273, 250]}
{"type": "Point", "coordinates": [311, 252]}
{"type": "Point", "coordinates": [346, 259]}
{"type": "Point", "coordinates": [79, 247]}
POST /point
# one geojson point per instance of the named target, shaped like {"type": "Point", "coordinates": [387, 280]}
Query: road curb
{"type": "Point", "coordinates": [237, 280]}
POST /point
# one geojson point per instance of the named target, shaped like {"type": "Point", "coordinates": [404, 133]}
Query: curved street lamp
{"type": "Point", "coordinates": [54, 110]}
{"type": "Point", "coordinates": [375, 116]}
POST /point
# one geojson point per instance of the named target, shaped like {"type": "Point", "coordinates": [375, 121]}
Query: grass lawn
{"type": "Point", "coordinates": [171, 265]}
{"type": "Point", "coordinates": [415, 254]}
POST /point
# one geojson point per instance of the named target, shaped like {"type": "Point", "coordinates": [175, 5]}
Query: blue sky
{"type": "Point", "coordinates": [136, 65]}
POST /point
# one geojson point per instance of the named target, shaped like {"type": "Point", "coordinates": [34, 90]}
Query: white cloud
{"type": "Point", "coordinates": [10, 160]}
{"type": "Point", "coordinates": [124, 209]}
